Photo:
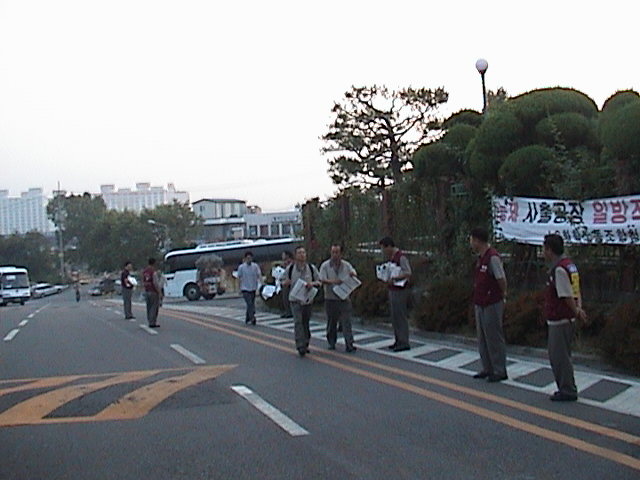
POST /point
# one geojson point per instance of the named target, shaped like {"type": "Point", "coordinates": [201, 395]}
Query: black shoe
{"type": "Point", "coordinates": [302, 352]}
{"type": "Point", "coordinates": [563, 397]}
{"type": "Point", "coordinates": [496, 378]}
{"type": "Point", "coordinates": [481, 375]}
{"type": "Point", "coordinates": [392, 346]}
{"type": "Point", "coordinates": [307, 350]}
{"type": "Point", "coordinates": [401, 349]}
{"type": "Point", "coordinates": [253, 322]}
{"type": "Point", "coordinates": [331, 347]}
{"type": "Point", "coordinates": [154, 326]}
{"type": "Point", "coordinates": [351, 349]}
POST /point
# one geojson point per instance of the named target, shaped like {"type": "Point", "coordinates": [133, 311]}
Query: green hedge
{"type": "Point", "coordinates": [522, 173]}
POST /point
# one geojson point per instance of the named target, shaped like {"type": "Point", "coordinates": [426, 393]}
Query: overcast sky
{"type": "Point", "coordinates": [228, 99]}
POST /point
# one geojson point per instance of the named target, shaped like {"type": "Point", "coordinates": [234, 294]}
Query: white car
{"type": "Point", "coordinates": [43, 290]}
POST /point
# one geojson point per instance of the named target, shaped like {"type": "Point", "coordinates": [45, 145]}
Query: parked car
{"type": "Point", "coordinates": [40, 290]}
{"type": "Point", "coordinates": [95, 290]}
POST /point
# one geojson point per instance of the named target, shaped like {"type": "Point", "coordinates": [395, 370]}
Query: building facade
{"type": "Point", "coordinates": [231, 219]}
{"type": "Point", "coordinates": [25, 213]}
{"type": "Point", "coordinates": [144, 196]}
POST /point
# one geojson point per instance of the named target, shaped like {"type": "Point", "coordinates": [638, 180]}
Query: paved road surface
{"type": "Point", "coordinates": [85, 394]}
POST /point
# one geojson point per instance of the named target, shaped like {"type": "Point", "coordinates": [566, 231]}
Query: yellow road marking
{"type": "Point", "coordinates": [576, 443]}
{"type": "Point", "coordinates": [34, 409]}
{"type": "Point", "coordinates": [572, 421]}
{"type": "Point", "coordinates": [134, 405]}
{"type": "Point", "coordinates": [139, 402]}
{"type": "Point", "coordinates": [40, 383]}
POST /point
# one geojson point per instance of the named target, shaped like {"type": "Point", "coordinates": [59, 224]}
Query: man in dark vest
{"type": "Point", "coordinates": [489, 293]}
{"type": "Point", "coordinates": [562, 306]}
{"type": "Point", "coordinates": [398, 294]}
{"type": "Point", "coordinates": [153, 292]}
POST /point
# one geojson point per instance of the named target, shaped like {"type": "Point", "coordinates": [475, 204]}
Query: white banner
{"type": "Point", "coordinates": [610, 221]}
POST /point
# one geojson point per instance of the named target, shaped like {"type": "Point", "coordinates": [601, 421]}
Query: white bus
{"type": "Point", "coordinates": [181, 274]}
{"type": "Point", "coordinates": [14, 285]}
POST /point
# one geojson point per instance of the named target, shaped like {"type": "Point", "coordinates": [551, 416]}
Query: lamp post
{"type": "Point", "coordinates": [482, 65]}
{"type": "Point", "coordinates": [167, 241]}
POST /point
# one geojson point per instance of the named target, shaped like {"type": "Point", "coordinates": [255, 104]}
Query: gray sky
{"type": "Point", "coordinates": [228, 99]}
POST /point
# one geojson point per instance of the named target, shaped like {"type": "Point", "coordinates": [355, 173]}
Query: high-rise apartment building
{"type": "Point", "coordinates": [25, 213]}
{"type": "Point", "coordinates": [144, 196]}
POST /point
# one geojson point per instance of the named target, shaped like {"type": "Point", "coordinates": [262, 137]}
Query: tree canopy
{"type": "Point", "coordinates": [376, 131]}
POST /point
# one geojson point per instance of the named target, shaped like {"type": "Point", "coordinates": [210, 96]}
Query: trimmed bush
{"type": "Point", "coordinates": [464, 117]}
{"type": "Point", "coordinates": [621, 132]}
{"type": "Point", "coordinates": [618, 100]}
{"type": "Point", "coordinates": [533, 106]}
{"type": "Point", "coordinates": [445, 306]}
{"type": "Point", "coordinates": [575, 130]}
{"type": "Point", "coordinates": [620, 338]}
{"type": "Point", "coordinates": [523, 171]}
{"type": "Point", "coordinates": [523, 320]}
{"type": "Point", "coordinates": [499, 134]}
{"type": "Point", "coordinates": [371, 299]}
{"type": "Point", "coordinates": [436, 160]}
{"type": "Point", "coordinates": [459, 136]}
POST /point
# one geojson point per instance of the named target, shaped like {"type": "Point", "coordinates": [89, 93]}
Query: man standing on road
{"type": "Point", "coordinates": [563, 304]}
{"type": "Point", "coordinates": [489, 293]}
{"type": "Point", "coordinates": [398, 294]}
{"type": "Point", "coordinates": [249, 275]}
{"type": "Point", "coordinates": [301, 310]}
{"type": "Point", "coordinates": [332, 272]}
{"type": "Point", "coordinates": [287, 259]}
{"type": "Point", "coordinates": [127, 289]}
{"type": "Point", "coordinates": [153, 292]}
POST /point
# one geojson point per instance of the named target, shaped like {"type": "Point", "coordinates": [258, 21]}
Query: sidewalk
{"type": "Point", "coordinates": [528, 368]}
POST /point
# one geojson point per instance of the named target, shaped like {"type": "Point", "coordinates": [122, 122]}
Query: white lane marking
{"type": "Point", "coordinates": [31, 315]}
{"type": "Point", "coordinates": [150, 331]}
{"type": "Point", "coordinates": [190, 355]}
{"type": "Point", "coordinates": [10, 336]}
{"type": "Point", "coordinates": [280, 419]}
{"type": "Point", "coordinates": [23, 323]}
{"type": "Point", "coordinates": [132, 319]}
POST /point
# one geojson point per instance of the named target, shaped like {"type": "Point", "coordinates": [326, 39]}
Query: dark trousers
{"type": "Point", "coordinates": [153, 305]}
{"type": "Point", "coordinates": [250, 300]}
{"type": "Point", "coordinates": [338, 311]}
{"type": "Point", "coordinates": [301, 317]}
{"type": "Point", "coordinates": [127, 293]}
{"type": "Point", "coordinates": [559, 347]}
{"type": "Point", "coordinates": [398, 305]}
{"type": "Point", "coordinates": [491, 343]}
{"type": "Point", "coordinates": [285, 300]}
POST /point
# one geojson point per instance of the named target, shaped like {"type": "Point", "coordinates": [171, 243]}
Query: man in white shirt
{"type": "Point", "coordinates": [333, 272]}
{"type": "Point", "coordinates": [249, 275]}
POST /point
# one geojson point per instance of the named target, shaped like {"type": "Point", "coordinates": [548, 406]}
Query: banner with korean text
{"type": "Point", "coordinates": [608, 221]}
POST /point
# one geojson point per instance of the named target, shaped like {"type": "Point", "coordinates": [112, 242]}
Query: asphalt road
{"type": "Point", "coordinates": [85, 394]}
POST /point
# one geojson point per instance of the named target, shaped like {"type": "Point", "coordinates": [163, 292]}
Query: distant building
{"type": "Point", "coordinates": [230, 219]}
{"type": "Point", "coordinates": [144, 196]}
{"type": "Point", "coordinates": [25, 213]}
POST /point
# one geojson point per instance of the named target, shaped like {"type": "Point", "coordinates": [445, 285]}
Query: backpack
{"type": "Point", "coordinates": [290, 269]}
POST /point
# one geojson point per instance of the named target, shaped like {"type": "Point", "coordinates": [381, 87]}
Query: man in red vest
{"type": "Point", "coordinates": [489, 292]}
{"type": "Point", "coordinates": [562, 306]}
{"type": "Point", "coordinates": [398, 294]}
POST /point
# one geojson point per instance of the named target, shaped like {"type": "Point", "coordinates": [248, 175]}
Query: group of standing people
{"type": "Point", "coordinates": [153, 291]}
{"type": "Point", "coordinates": [562, 308]}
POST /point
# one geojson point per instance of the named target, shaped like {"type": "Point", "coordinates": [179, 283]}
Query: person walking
{"type": "Point", "coordinates": [153, 292]}
{"type": "Point", "coordinates": [333, 272]}
{"type": "Point", "coordinates": [398, 294]}
{"type": "Point", "coordinates": [287, 259]}
{"type": "Point", "coordinates": [127, 289]}
{"type": "Point", "coordinates": [249, 275]}
{"type": "Point", "coordinates": [562, 306]}
{"type": "Point", "coordinates": [489, 293]}
{"type": "Point", "coordinates": [301, 309]}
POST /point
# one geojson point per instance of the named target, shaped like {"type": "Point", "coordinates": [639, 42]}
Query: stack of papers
{"type": "Point", "coordinates": [300, 292]}
{"type": "Point", "coordinates": [348, 285]}
{"type": "Point", "coordinates": [389, 270]}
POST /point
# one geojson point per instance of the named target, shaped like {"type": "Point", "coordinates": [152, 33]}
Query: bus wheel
{"type": "Point", "coordinates": [192, 292]}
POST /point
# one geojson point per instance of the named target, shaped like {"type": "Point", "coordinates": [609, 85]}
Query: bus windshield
{"type": "Point", "coordinates": [14, 280]}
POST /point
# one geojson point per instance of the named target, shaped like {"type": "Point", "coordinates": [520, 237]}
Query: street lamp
{"type": "Point", "coordinates": [481, 66]}
{"type": "Point", "coordinates": [167, 242]}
